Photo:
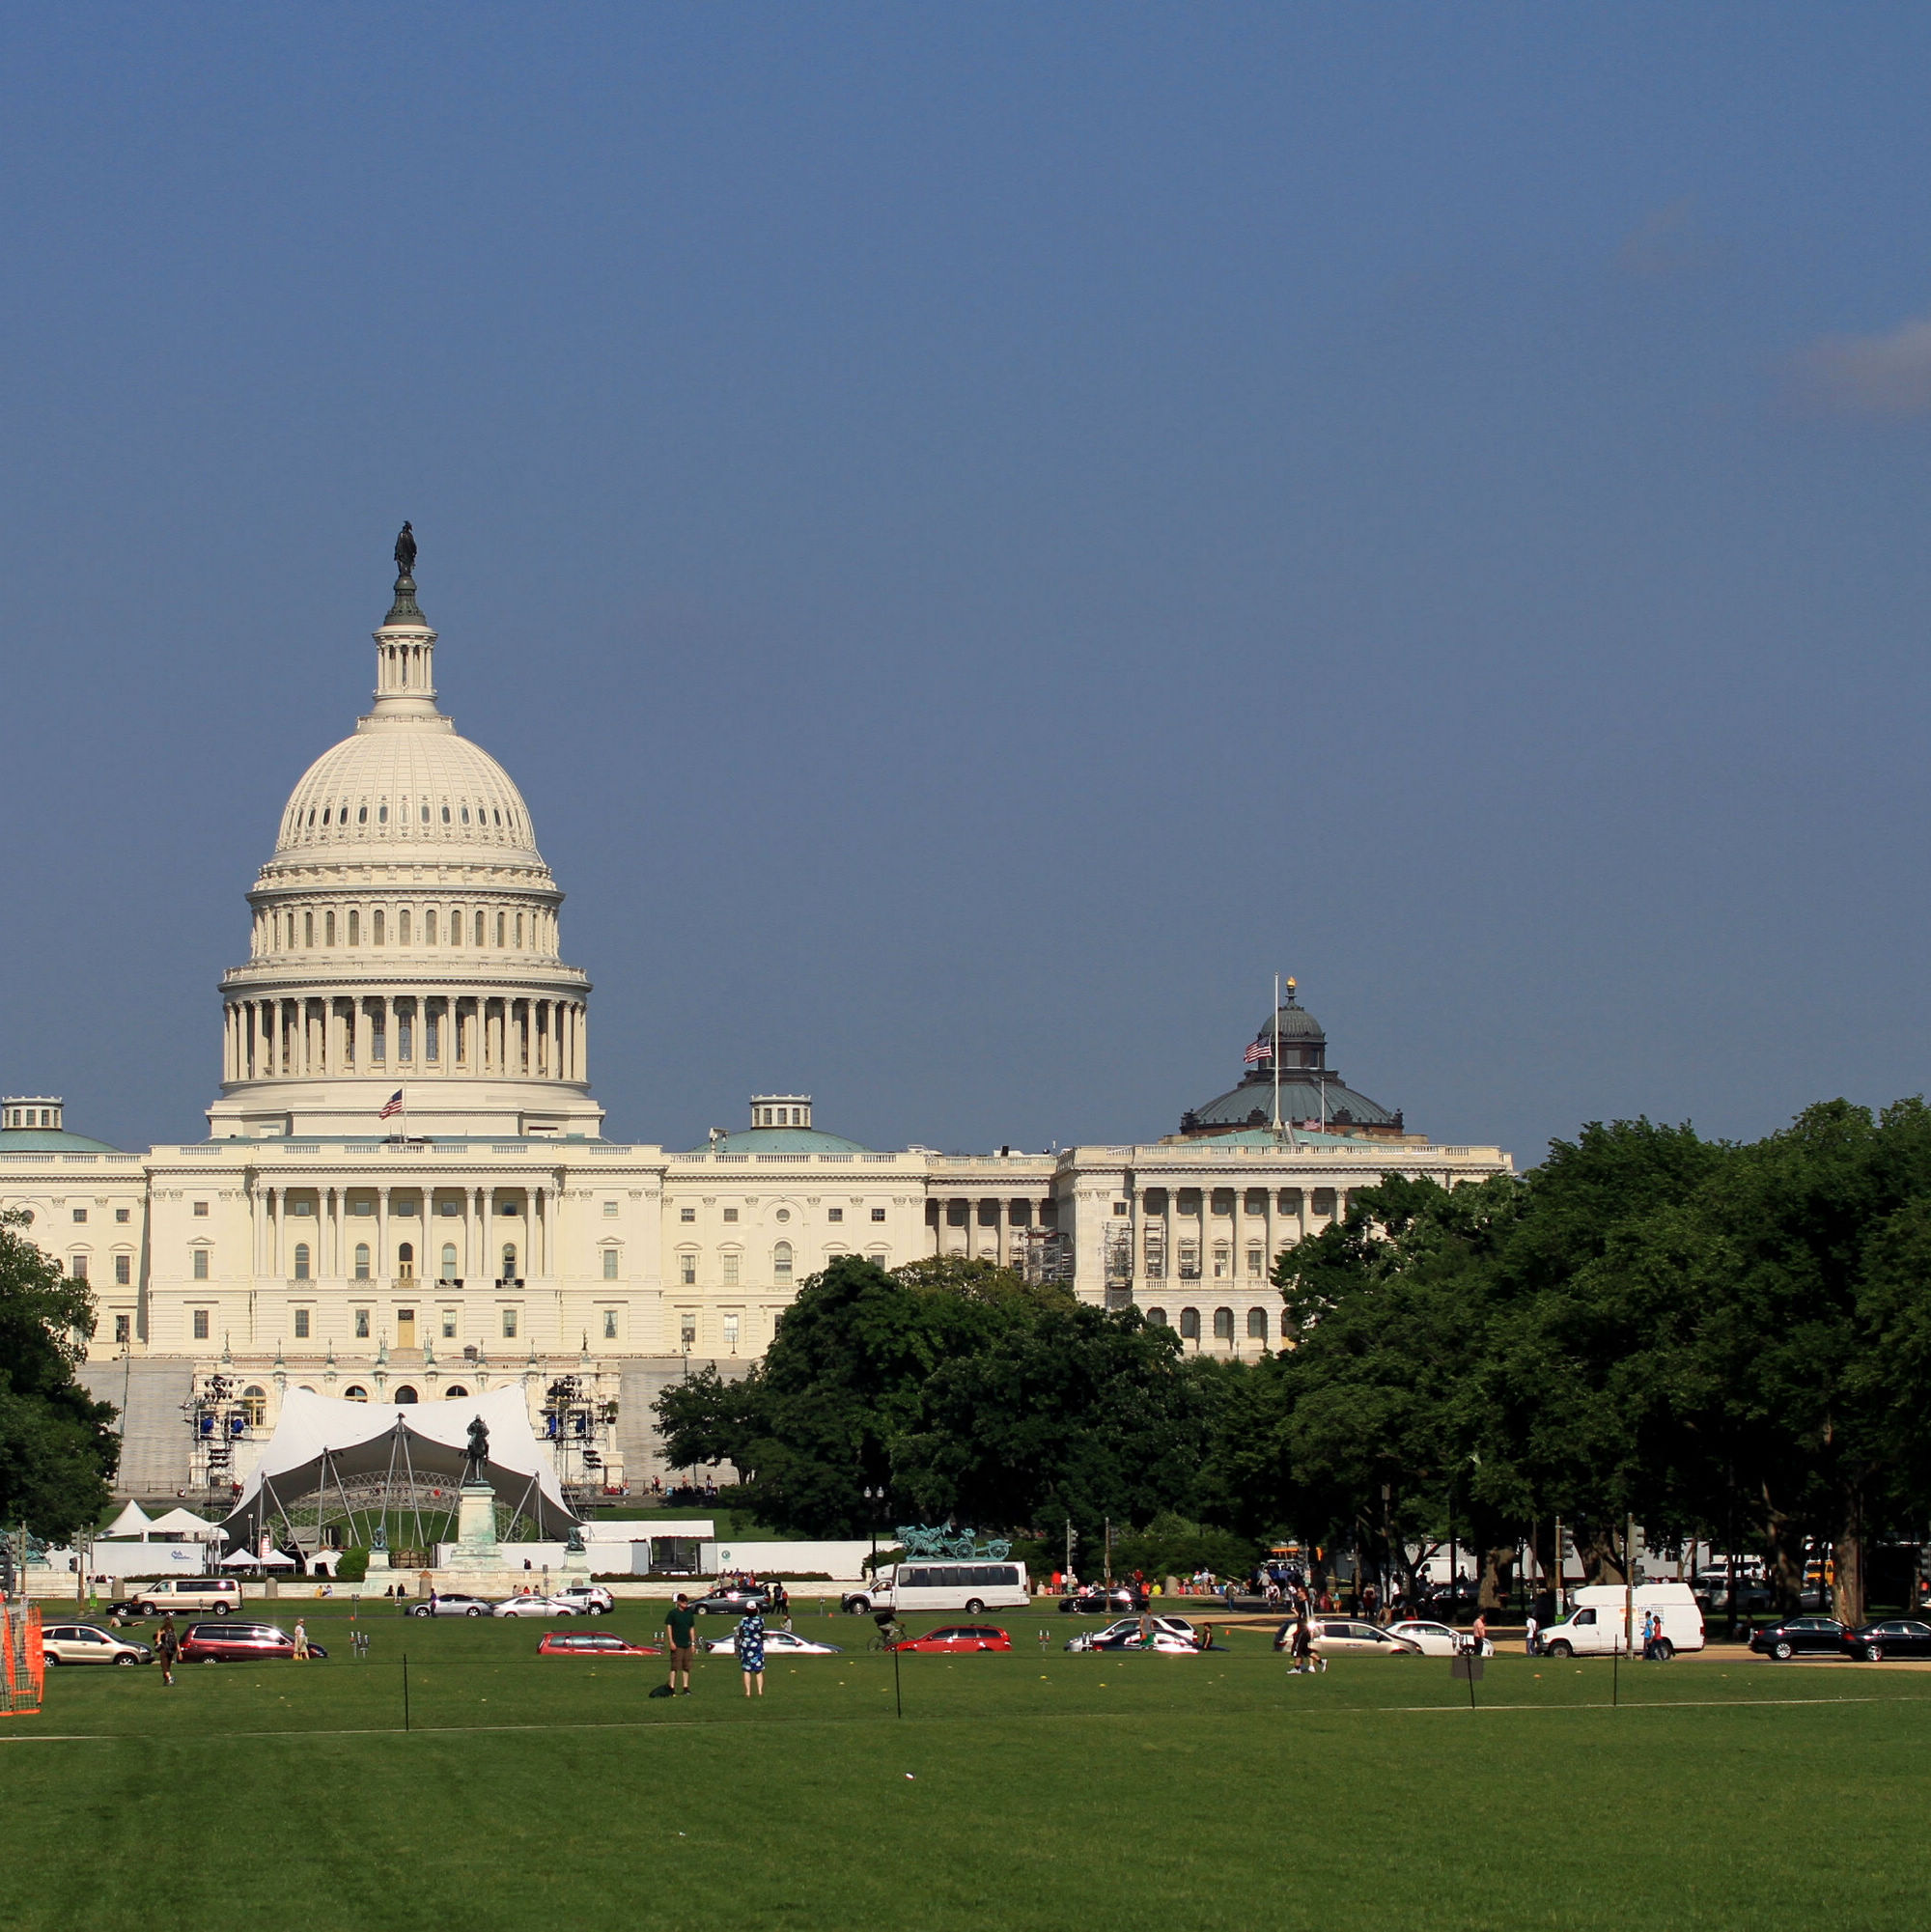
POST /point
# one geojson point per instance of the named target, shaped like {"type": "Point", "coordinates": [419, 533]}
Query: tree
{"type": "Point", "coordinates": [58, 1450]}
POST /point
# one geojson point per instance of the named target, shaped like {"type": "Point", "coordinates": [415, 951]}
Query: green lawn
{"type": "Point", "coordinates": [1045, 1790]}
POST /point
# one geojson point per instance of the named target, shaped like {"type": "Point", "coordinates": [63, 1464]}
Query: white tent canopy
{"type": "Point", "coordinates": [183, 1523]}
{"type": "Point", "coordinates": [243, 1558]}
{"type": "Point", "coordinates": [319, 1442]}
{"type": "Point", "coordinates": [133, 1520]}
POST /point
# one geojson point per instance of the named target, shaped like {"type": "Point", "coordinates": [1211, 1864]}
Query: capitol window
{"type": "Point", "coordinates": [123, 1269]}
{"type": "Point", "coordinates": [730, 1259]}
{"type": "Point", "coordinates": [509, 1325]}
{"type": "Point", "coordinates": [834, 1214]}
{"type": "Point", "coordinates": [362, 816]}
{"type": "Point", "coordinates": [502, 923]}
{"type": "Point", "coordinates": [375, 930]}
{"type": "Point", "coordinates": [445, 820]}
{"type": "Point", "coordinates": [684, 1214]}
{"type": "Point", "coordinates": [609, 1264]}
{"type": "Point", "coordinates": [466, 815]}
{"type": "Point", "coordinates": [686, 1270]}
{"type": "Point", "coordinates": [80, 1214]}
{"type": "Point", "coordinates": [731, 1333]}
{"type": "Point", "coordinates": [123, 1326]}
{"type": "Point", "coordinates": [425, 811]}
{"type": "Point", "coordinates": [730, 1214]}
{"type": "Point", "coordinates": [1189, 1325]}
{"type": "Point", "coordinates": [302, 1324]}
{"type": "Point", "coordinates": [449, 1326]}
{"type": "Point", "coordinates": [403, 927]}
{"type": "Point", "coordinates": [200, 1324]}
{"type": "Point", "coordinates": [781, 1262]}
{"type": "Point", "coordinates": [509, 1261]}
{"type": "Point", "coordinates": [301, 1261]}
{"type": "Point", "coordinates": [449, 1261]}
{"type": "Point", "coordinates": [478, 916]}
{"type": "Point", "coordinates": [355, 929]}
{"type": "Point", "coordinates": [308, 929]}
{"type": "Point", "coordinates": [1257, 1331]}
{"type": "Point", "coordinates": [361, 1261]}
{"type": "Point", "coordinates": [381, 814]}
{"type": "Point", "coordinates": [429, 935]}
{"type": "Point", "coordinates": [199, 1270]}
{"type": "Point", "coordinates": [328, 929]}
{"type": "Point", "coordinates": [1255, 1260]}
{"type": "Point", "coordinates": [877, 1213]}
{"type": "Point", "coordinates": [1224, 1325]}
{"type": "Point", "coordinates": [609, 1324]}
{"type": "Point", "coordinates": [361, 1325]}
{"type": "Point", "coordinates": [609, 1211]}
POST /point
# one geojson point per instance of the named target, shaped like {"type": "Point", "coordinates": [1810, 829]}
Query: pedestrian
{"type": "Point", "coordinates": [432, 1600]}
{"type": "Point", "coordinates": [1528, 1635]}
{"type": "Point", "coordinates": [751, 1651]}
{"type": "Point", "coordinates": [167, 1646]}
{"type": "Point", "coordinates": [1301, 1647]}
{"type": "Point", "coordinates": [301, 1641]}
{"type": "Point", "coordinates": [1481, 1632]}
{"type": "Point", "coordinates": [681, 1627]}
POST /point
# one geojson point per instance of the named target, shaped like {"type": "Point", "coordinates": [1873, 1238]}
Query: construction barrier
{"type": "Point", "coordinates": [23, 1666]}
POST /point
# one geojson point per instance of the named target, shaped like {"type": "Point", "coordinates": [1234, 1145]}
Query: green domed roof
{"type": "Point", "coordinates": [49, 1140]}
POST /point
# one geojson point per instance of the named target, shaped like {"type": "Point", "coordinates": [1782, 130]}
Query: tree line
{"type": "Point", "coordinates": [1720, 1339]}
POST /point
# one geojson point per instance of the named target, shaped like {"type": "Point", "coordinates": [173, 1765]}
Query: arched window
{"type": "Point", "coordinates": [1224, 1325]}
{"type": "Point", "coordinates": [1155, 1318]}
{"type": "Point", "coordinates": [308, 929]}
{"type": "Point", "coordinates": [375, 930]}
{"type": "Point", "coordinates": [406, 1262]}
{"type": "Point", "coordinates": [355, 929]}
{"type": "Point", "coordinates": [403, 927]}
{"type": "Point", "coordinates": [301, 1261]}
{"type": "Point", "coordinates": [405, 1393]}
{"type": "Point", "coordinates": [456, 1392]}
{"type": "Point", "coordinates": [425, 811]}
{"type": "Point", "coordinates": [781, 1262]}
{"type": "Point", "coordinates": [478, 916]}
{"type": "Point", "coordinates": [429, 928]}
{"type": "Point", "coordinates": [1257, 1325]}
{"type": "Point", "coordinates": [449, 1261]}
{"type": "Point", "coordinates": [355, 1392]}
{"type": "Point", "coordinates": [255, 1405]}
{"type": "Point", "coordinates": [1189, 1325]}
{"type": "Point", "coordinates": [509, 1261]}
{"type": "Point", "coordinates": [456, 929]}
{"type": "Point", "coordinates": [328, 929]}
{"type": "Point", "coordinates": [361, 1261]}
{"type": "Point", "coordinates": [502, 924]}
{"type": "Point", "coordinates": [445, 815]}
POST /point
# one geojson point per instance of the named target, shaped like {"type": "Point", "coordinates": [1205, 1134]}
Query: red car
{"type": "Point", "coordinates": [958, 1636]}
{"type": "Point", "coordinates": [234, 1643]}
{"type": "Point", "coordinates": [592, 1643]}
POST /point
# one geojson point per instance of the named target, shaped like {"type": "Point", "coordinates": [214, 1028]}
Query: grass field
{"type": "Point", "coordinates": [1038, 1790]}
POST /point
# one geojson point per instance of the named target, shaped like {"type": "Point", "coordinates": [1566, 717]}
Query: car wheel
{"type": "Point", "coordinates": [1560, 1649]}
{"type": "Point", "coordinates": [856, 1605]}
{"type": "Point", "coordinates": [49, 1659]}
{"type": "Point", "coordinates": [1783, 1650]}
{"type": "Point", "coordinates": [475, 1610]}
{"type": "Point", "coordinates": [124, 1660]}
{"type": "Point", "coordinates": [221, 1610]}
{"type": "Point", "coordinates": [421, 1610]}
{"type": "Point", "coordinates": [1873, 1653]}
{"type": "Point", "coordinates": [974, 1608]}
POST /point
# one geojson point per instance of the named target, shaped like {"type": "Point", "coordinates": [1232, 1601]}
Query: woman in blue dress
{"type": "Point", "coordinates": [752, 1652]}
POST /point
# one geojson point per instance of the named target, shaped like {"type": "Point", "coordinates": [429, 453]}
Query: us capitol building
{"type": "Point", "coordinates": [404, 937]}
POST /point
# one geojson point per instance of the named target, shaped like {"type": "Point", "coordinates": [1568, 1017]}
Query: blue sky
{"type": "Point", "coordinates": [983, 533]}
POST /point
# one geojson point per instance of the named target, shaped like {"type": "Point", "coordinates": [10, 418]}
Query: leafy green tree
{"type": "Point", "coordinates": [58, 1450]}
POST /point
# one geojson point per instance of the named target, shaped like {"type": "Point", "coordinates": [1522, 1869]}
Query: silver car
{"type": "Point", "coordinates": [453, 1604]}
{"type": "Point", "coordinates": [539, 1607]}
{"type": "Point", "coordinates": [84, 1644]}
{"type": "Point", "coordinates": [1170, 1626]}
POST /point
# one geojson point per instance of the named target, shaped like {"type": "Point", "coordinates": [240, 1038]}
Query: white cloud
{"type": "Point", "coordinates": [1873, 374]}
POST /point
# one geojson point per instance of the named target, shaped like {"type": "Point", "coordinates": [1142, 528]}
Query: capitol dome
{"type": "Point", "coordinates": [419, 793]}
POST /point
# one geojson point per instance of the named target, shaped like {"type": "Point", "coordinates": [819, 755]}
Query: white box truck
{"type": "Point", "coordinates": [1599, 1623]}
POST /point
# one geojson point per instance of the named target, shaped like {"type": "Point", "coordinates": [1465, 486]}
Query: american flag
{"type": "Point", "coordinates": [395, 1104]}
{"type": "Point", "coordinates": [1260, 1051]}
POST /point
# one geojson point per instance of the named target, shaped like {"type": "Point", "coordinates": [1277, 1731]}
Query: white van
{"type": "Point", "coordinates": [219, 1594]}
{"type": "Point", "coordinates": [1598, 1625]}
{"type": "Point", "coordinates": [975, 1588]}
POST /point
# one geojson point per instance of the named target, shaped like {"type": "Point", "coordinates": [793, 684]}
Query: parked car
{"type": "Point", "coordinates": [1798, 1635]}
{"type": "Point", "coordinates": [734, 1599]}
{"type": "Point", "coordinates": [1346, 1637]}
{"type": "Point", "coordinates": [592, 1598]}
{"type": "Point", "coordinates": [777, 1643]}
{"type": "Point", "coordinates": [220, 1594]}
{"type": "Point", "coordinates": [1165, 1644]}
{"type": "Point", "coordinates": [592, 1643]}
{"type": "Point", "coordinates": [1895, 1636]}
{"type": "Point", "coordinates": [1174, 1626]}
{"type": "Point", "coordinates": [84, 1644]}
{"type": "Point", "coordinates": [456, 1604]}
{"type": "Point", "coordinates": [1095, 1601]}
{"type": "Point", "coordinates": [238, 1643]}
{"type": "Point", "coordinates": [958, 1636]}
{"type": "Point", "coordinates": [1438, 1639]}
{"type": "Point", "coordinates": [535, 1606]}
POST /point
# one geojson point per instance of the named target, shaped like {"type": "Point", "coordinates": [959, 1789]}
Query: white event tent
{"type": "Point", "coordinates": [322, 1445]}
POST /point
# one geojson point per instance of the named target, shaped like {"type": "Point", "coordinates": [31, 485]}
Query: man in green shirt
{"type": "Point", "coordinates": [681, 1627]}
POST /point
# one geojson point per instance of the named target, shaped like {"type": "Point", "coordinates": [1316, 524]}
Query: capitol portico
{"type": "Point", "coordinates": [405, 1194]}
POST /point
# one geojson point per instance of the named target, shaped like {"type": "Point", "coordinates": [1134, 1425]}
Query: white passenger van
{"type": "Point", "coordinates": [973, 1586]}
{"type": "Point", "coordinates": [219, 1594]}
{"type": "Point", "coordinates": [1598, 1626]}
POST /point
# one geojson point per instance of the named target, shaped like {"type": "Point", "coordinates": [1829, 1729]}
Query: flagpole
{"type": "Point", "coordinates": [1275, 1055]}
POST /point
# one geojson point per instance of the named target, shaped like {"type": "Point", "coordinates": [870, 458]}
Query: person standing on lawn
{"type": "Point", "coordinates": [751, 1651]}
{"type": "Point", "coordinates": [301, 1641]}
{"type": "Point", "coordinates": [681, 1627]}
{"type": "Point", "coordinates": [167, 1647]}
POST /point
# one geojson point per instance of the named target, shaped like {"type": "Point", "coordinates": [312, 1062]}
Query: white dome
{"type": "Point", "coordinates": [413, 787]}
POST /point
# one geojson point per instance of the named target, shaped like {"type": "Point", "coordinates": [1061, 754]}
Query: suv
{"type": "Point", "coordinates": [592, 1598]}
{"type": "Point", "coordinates": [85, 1644]}
{"type": "Point", "coordinates": [219, 1594]}
{"type": "Point", "coordinates": [238, 1643]}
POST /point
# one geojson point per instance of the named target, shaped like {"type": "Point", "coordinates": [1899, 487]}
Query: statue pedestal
{"type": "Point", "coordinates": [378, 1560]}
{"type": "Point", "coordinates": [577, 1562]}
{"type": "Point", "coordinates": [476, 1544]}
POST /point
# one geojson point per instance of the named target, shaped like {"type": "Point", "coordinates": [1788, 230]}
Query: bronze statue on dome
{"type": "Point", "coordinates": [406, 551]}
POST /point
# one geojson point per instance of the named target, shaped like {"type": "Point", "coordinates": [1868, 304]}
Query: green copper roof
{"type": "Point", "coordinates": [49, 1140]}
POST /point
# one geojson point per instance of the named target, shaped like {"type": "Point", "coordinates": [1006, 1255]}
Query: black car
{"type": "Point", "coordinates": [1895, 1636]}
{"type": "Point", "coordinates": [1097, 1602]}
{"type": "Point", "coordinates": [734, 1600]}
{"type": "Point", "coordinates": [1818, 1635]}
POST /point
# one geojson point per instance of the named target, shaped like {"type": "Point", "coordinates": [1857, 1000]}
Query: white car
{"type": "Point", "coordinates": [1438, 1639]}
{"type": "Point", "coordinates": [777, 1643]}
{"type": "Point", "coordinates": [592, 1598]}
{"type": "Point", "coordinates": [86, 1643]}
{"type": "Point", "coordinates": [1129, 1626]}
{"type": "Point", "coordinates": [538, 1606]}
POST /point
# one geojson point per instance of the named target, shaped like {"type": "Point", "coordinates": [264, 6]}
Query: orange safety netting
{"type": "Point", "coordinates": [22, 1663]}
